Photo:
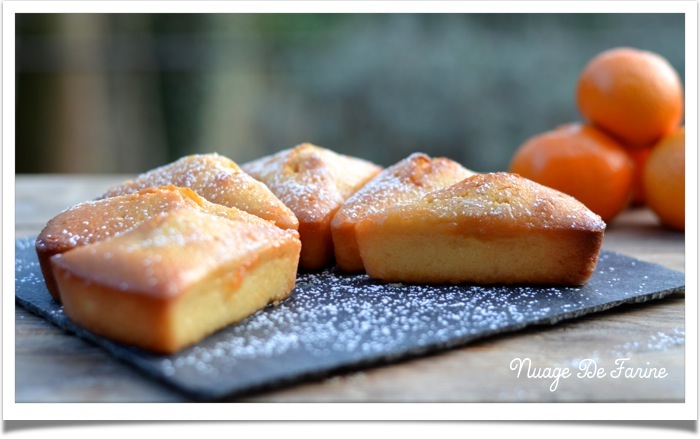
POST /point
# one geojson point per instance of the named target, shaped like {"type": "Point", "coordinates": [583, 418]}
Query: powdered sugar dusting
{"type": "Point", "coordinates": [157, 256]}
{"type": "Point", "coordinates": [404, 181]}
{"type": "Point", "coordinates": [334, 321]}
{"type": "Point", "coordinates": [503, 198]}
{"type": "Point", "coordinates": [659, 341]}
{"type": "Point", "coordinates": [310, 180]}
{"type": "Point", "coordinates": [217, 179]}
{"type": "Point", "coordinates": [93, 221]}
{"type": "Point", "coordinates": [27, 266]}
{"type": "Point", "coordinates": [342, 315]}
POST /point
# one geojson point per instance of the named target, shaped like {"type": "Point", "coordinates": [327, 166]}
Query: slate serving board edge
{"type": "Point", "coordinates": [115, 350]}
{"type": "Point", "coordinates": [126, 356]}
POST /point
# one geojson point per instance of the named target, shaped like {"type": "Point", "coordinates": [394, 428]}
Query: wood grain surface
{"type": "Point", "coordinates": [53, 366]}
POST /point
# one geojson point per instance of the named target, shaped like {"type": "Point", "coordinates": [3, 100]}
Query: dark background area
{"type": "Point", "coordinates": [123, 93]}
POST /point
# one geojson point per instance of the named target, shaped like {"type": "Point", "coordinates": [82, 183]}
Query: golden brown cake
{"type": "Point", "coordinates": [94, 221]}
{"type": "Point", "coordinates": [407, 180]}
{"type": "Point", "coordinates": [219, 180]}
{"type": "Point", "coordinates": [313, 182]}
{"type": "Point", "coordinates": [496, 228]}
{"type": "Point", "coordinates": [177, 278]}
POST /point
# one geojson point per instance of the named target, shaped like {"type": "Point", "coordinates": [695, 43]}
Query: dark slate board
{"type": "Point", "coordinates": [334, 322]}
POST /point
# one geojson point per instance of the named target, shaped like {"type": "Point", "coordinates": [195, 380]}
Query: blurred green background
{"type": "Point", "coordinates": [123, 93]}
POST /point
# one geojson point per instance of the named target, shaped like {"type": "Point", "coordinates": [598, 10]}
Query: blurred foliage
{"type": "Point", "coordinates": [127, 92]}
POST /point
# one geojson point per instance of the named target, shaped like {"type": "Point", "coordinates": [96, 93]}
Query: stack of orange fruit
{"type": "Point", "coordinates": [630, 146]}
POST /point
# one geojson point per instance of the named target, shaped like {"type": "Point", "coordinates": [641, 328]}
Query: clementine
{"type": "Point", "coordinates": [582, 161]}
{"type": "Point", "coordinates": [639, 158]}
{"type": "Point", "coordinates": [664, 180]}
{"type": "Point", "coordinates": [632, 94]}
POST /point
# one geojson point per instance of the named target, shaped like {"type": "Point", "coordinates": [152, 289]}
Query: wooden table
{"type": "Point", "coordinates": [53, 366]}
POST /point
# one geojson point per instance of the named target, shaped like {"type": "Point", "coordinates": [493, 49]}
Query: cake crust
{"type": "Point", "coordinates": [96, 220]}
{"type": "Point", "coordinates": [313, 182]}
{"type": "Point", "coordinates": [217, 179]}
{"type": "Point", "coordinates": [405, 181]}
{"type": "Point", "coordinates": [177, 278]}
{"type": "Point", "coordinates": [496, 228]}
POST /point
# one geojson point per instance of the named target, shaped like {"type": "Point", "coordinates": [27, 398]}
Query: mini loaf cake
{"type": "Point", "coordinates": [177, 278]}
{"type": "Point", "coordinates": [219, 180]}
{"type": "Point", "coordinates": [494, 228]}
{"type": "Point", "coordinates": [403, 182]}
{"type": "Point", "coordinates": [94, 221]}
{"type": "Point", "coordinates": [313, 182]}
